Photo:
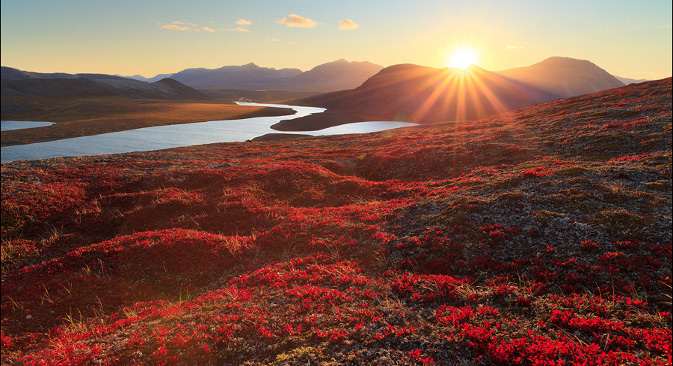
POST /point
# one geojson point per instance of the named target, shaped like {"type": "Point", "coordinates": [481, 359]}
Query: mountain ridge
{"type": "Point", "coordinates": [421, 94]}
{"type": "Point", "coordinates": [335, 75]}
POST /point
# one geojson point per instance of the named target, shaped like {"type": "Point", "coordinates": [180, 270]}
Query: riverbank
{"type": "Point", "coordinates": [104, 115]}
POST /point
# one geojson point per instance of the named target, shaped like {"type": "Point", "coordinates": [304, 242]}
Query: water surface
{"type": "Point", "coordinates": [188, 134]}
{"type": "Point", "coordinates": [20, 125]}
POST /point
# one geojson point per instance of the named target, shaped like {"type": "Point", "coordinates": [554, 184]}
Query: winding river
{"type": "Point", "coordinates": [189, 134]}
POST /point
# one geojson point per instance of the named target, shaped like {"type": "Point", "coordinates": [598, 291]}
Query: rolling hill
{"type": "Point", "coordinates": [336, 75]}
{"type": "Point", "coordinates": [21, 83]}
{"type": "Point", "coordinates": [26, 92]}
{"type": "Point", "coordinates": [422, 94]}
{"type": "Point", "coordinates": [564, 77]}
{"type": "Point", "coordinates": [540, 236]}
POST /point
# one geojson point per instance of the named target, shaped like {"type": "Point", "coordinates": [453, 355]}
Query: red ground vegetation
{"type": "Point", "coordinates": [536, 237]}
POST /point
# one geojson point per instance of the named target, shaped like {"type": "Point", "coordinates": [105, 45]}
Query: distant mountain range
{"type": "Point", "coordinates": [359, 89]}
{"type": "Point", "coordinates": [22, 89]}
{"type": "Point", "coordinates": [628, 81]}
{"type": "Point", "coordinates": [337, 75]}
{"type": "Point", "coordinates": [564, 77]}
{"type": "Point", "coordinates": [17, 82]}
{"type": "Point", "coordinates": [423, 94]}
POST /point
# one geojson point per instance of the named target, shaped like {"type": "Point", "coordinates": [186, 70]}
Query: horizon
{"type": "Point", "coordinates": [625, 39]}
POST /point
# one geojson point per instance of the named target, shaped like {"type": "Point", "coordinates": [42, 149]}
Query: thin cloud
{"type": "Point", "coordinates": [606, 30]}
{"type": "Point", "coordinates": [183, 25]}
{"type": "Point", "coordinates": [513, 47]}
{"type": "Point", "coordinates": [273, 39]}
{"type": "Point", "coordinates": [176, 27]}
{"type": "Point", "coordinates": [237, 29]}
{"type": "Point", "coordinates": [241, 21]}
{"type": "Point", "coordinates": [296, 21]}
{"type": "Point", "coordinates": [347, 24]}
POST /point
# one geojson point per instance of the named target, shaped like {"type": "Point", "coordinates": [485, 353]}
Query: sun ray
{"type": "Point", "coordinates": [462, 59]}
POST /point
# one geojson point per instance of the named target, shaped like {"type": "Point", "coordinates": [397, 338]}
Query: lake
{"type": "Point", "coordinates": [20, 125]}
{"type": "Point", "coordinates": [188, 134]}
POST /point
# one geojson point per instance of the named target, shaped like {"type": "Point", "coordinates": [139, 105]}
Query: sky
{"type": "Point", "coordinates": [147, 37]}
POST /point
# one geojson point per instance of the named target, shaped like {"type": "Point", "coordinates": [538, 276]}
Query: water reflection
{"type": "Point", "coordinates": [20, 125]}
{"type": "Point", "coordinates": [164, 137]}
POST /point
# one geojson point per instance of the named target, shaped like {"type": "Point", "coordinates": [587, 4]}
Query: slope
{"type": "Point", "coordinates": [564, 77]}
{"type": "Point", "coordinates": [421, 94]}
{"type": "Point", "coordinates": [535, 236]}
{"type": "Point", "coordinates": [336, 75]}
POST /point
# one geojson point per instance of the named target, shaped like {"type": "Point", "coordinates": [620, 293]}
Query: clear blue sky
{"type": "Point", "coordinates": [626, 38]}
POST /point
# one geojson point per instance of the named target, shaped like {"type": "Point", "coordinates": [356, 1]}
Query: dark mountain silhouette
{"type": "Point", "coordinates": [336, 75]}
{"type": "Point", "coordinates": [423, 94]}
{"type": "Point", "coordinates": [60, 85]}
{"type": "Point", "coordinates": [564, 77]}
{"type": "Point", "coordinates": [24, 91]}
{"type": "Point", "coordinates": [233, 76]}
{"type": "Point", "coordinates": [148, 80]}
{"type": "Point", "coordinates": [627, 81]}
{"type": "Point", "coordinates": [7, 73]}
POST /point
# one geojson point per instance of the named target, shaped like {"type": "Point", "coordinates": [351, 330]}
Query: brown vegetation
{"type": "Point", "coordinates": [540, 236]}
{"type": "Point", "coordinates": [84, 117]}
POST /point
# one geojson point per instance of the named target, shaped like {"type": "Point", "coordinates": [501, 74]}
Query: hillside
{"type": "Point", "coordinates": [336, 75]}
{"type": "Point", "coordinates": [564, 77]}
{"type": "Point", "coordinates": [422, 94]}
{"type": "Point", "coordinates": [25, 93]}
{"type": "Point", "coordinates": [537, 236]}
{"type": "Point", "coordinates": [22, 83]}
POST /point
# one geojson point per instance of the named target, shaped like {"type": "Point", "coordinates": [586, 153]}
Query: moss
{"type": "Point", "coordinates": [574, 171]}
{"type": "Point", "coordinates": [545, 216]}
{"type": "Point", "coordinates": [511, 196]}
{"type": "Point", "coordinates": [621, 223]}
{"type": "Point", "coordinates": [303, 354]}
{"type": "Point", "coordinates": [660, 185]}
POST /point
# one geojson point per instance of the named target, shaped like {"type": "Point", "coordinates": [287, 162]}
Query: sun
{"type": "Point", "coordinates": [462, 59]}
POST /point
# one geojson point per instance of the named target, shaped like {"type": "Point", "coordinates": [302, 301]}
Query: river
{"type": "Point", "coordinates": [188, 134]}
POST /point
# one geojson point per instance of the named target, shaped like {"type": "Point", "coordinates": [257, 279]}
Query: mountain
{"type": "Point", "coordinates": [627, 81]}
{"type": "Point", "coordinates": [148, 80]}
{"type": "Point", "coordinates": [7, 73]}
{"type": "Point", "coordinates": [423, 94]}
{"type": "Point", "coordinates": [336, 75]}
{"type": "Point", "coordinates": [23, 83]}
{"type": "Point", "coordinates": [24, 91]}
{"type": "Point", "coordinates": [233, 76]}
{"type": "Point", "coordinates": [565, 77]}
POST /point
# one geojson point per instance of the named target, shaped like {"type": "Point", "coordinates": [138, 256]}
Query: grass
{"type": "Point", "coordinates": [452, 243]}
{"type": "Point", "coordinates": [85, 117]}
